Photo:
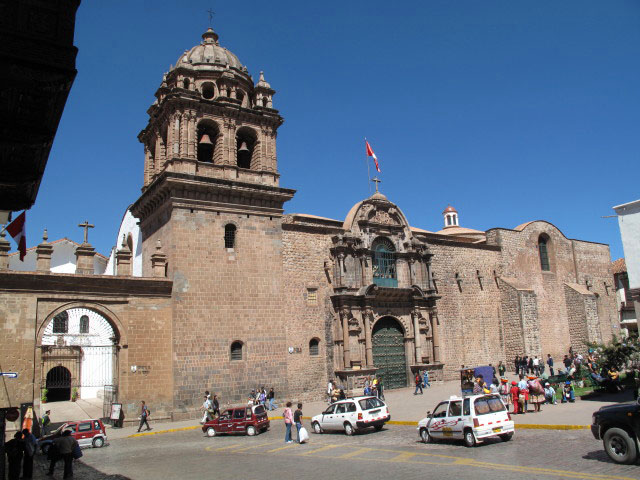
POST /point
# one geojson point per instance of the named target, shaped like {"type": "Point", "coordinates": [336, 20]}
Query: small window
{"type": "Point", "coordinates": [466, 408]}
{"type": "Point", "coordinates": [185, 84]}
{"type": "Point", "coordinates": [61, 323]}
{"type": "Point", "coordinates": [229, 235]}
{"type": "Point", "coordinates": [258, 410]}
{"type": "Point", "coordinates": [329, 410]}
{"type": "Point", "coordinates": [341, 408]}
{"type": "Point", "coordinates": [84, 324]}
{"type": "Point", "coordinates": [236, 351]}
{"type": "Point", "coordinates": [208, 90]}
{"type": "Point", "coordinates": [544, 254]}
{"type": "Point", "coordinates": [441, 410]}
{"type": "Point", "coordinates": [238, 413]}
{"type": "Point", "coordinates": [240, 95]}
{"type": "Point", "coordinates": [312, 296]}
{"type": "Point", "coordinates": [369, 403]}
{"type": "Point", "coordinates": [351, 407]}
{"type": "Point", "coordinates": [455, 409]}
{"type": "Point", "coordinates": [84, 427]}
{"type": "Point", "coordinates": [448, 220]}
{"type": "Point", "coordinates": [486, 405]}
{"type": "Point", "coordinates": [96, 425]}
{"type": "Point", "coordinates": [314, 347]}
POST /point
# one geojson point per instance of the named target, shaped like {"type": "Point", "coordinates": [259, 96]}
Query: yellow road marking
{"type": "Point", "coordinates": [283, 448]}
{"type": "Point", "coordinates": [219, 449]}
{"type": "Point", "coordinates": [355, 453]}
{"type": "Point", "coordinates": [321, 449]}
{"type": "Point", "coordinates": [158, 432]}
{"type": "Point", "coordinates": [402, 457]}
{"type": "Point", "coordinates": [256, 446]}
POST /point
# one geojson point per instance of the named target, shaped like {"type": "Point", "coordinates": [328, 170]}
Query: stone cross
{"type": "Point", "coordinates": [376, 180]}
{"type": "Point", "coordinates": [86, 225]}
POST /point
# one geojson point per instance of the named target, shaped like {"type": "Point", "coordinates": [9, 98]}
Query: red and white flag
{"type": "Point", "coordinates": [18, 230]}
{"type": "Point", "coordinates": [371, 154]}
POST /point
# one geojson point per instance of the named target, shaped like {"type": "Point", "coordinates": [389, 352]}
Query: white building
{"type": "Point", "coordinates": [629, 223]}
{"type": "Point", "coordinates": [130, 232]}
{"type": "Point", "coordinates": [63, 259]}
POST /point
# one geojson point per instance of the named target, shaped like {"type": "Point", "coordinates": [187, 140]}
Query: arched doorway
{"type": "Point", "coordinates": [85, 344]}
{"type": "Point", "coordinates": [58, 384]}
{"type": "Point", "coordinates": [389, 353]}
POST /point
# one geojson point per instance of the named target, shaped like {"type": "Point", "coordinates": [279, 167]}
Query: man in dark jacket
{"type": "Point", "coordinates": [14, 449]}
{"type": "Point", "coordinates": [63, 446]}
{"type": "Point", "coordinates": [30, 447]}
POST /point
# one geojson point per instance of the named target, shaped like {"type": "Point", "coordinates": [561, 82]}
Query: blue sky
{"type": "Point", "coordinates": [509, 110]}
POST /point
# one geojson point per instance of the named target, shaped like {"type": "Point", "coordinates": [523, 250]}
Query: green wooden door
{"type": "Point", "coordinates": [388, 353]}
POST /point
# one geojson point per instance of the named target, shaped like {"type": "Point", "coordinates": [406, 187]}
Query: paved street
{"type": "Point", "coordinates": [395, 451]}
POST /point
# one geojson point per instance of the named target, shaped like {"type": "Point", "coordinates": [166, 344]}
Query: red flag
{"type": "Point", "coordinates": [371, 154]}
{"type": "Point", "coordinates": [17, 229]}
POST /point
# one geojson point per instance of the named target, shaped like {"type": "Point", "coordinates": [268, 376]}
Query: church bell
{"type": "Point", "coordinates": [243, 147]}
{"type": "Point", "coordinates": [205, 140]}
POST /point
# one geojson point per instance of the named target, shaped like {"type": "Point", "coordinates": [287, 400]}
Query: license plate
{"type": "Point", "coordinates": [497, 429]}
{"type": "Point", "coordinates": [371, 412]}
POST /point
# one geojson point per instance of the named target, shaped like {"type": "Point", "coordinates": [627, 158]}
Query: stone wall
{"type": "Point", "coordinates": [139, 310]}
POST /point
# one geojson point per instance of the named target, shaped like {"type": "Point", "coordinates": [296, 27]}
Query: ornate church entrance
{"type": "Point", "coordinates": [389, 352]}
{"type": "Point", "coordinates": [58, 384]}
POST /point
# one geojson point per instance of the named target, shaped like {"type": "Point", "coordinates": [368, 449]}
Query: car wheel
{"type": "Point", "coordinates": [98, 442]}
{"type": "Point", "coordinates": [251, 430]}
{"type": "Point", "coordinates": [469, 439]}
{"type": "Point", "coordinates": [211, 432]}
{"type": "Point", "coordinates": [425, 437]}
{"type": "Point", "coordinates": [378, 427]}
{"type": "Point", "coordinates": [505, 437]}
{"type": "Point", "coordinates": [348, 429]}
{"type": "Point", "coordinates": [620, 446]}
{"type": "Point", "coordinates": [317, 428]}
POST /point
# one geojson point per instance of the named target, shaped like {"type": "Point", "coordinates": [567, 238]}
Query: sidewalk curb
{"type": "Point", "coordinates": [523, 426]}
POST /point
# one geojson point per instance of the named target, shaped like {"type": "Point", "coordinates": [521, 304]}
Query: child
{"type": "Point", "coordinates": [568, 394]}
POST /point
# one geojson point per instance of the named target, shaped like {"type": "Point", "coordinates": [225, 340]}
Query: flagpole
{"type": "Point", "coordinates": [366, 157]}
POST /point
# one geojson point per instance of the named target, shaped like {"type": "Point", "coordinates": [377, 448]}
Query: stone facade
{"type": "Point", "coordinates": [255, 297]}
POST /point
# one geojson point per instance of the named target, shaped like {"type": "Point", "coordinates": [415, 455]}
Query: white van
{"type": "Point", "coordinates": [471, 419]}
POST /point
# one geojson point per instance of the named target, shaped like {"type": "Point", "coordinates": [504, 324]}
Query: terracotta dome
{"type": "Point", "coordinates": [449, 209]}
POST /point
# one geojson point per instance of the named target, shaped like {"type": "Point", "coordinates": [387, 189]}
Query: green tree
{"type": "Point", "coordinates": [617, 353]}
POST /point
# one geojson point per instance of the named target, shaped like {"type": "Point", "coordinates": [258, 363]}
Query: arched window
{"type": "Point", "coordinates": [61, 323]}
{"type": "Point", "coordinates": [543, 248]}
{"type": "Point", "coordinates": [185, 84]}
{"type": "Point", "coordinates": [236, 351]}
{"type": "Point", "coordinates": [208, 90]}
{"type": "Point", "coordinates": [229, 235]}
{"type": "Point", "coordinates": [240, 96]}
{"type": "Point", "coordinates": [384, 263]}
{"type": "Point", "coordinates": [207, 138]}
{"type": "Point", "coordinates": [314, 347]}
{"type": "Point", "coordinates": [84, 324]}
{"type": "Point", "coordinates": [245, 146]}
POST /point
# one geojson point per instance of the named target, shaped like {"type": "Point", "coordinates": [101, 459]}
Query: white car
{"type": "Point", "coordinates": [471, 419]}
{"type": "Point", "coordinates": [351, 415]}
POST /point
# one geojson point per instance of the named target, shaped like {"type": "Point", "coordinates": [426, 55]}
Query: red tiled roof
{"type": "Point", "coordinates": [619, 266]}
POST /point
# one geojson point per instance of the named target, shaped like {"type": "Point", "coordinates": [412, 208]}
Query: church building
{"type": "Point", "coordinates": [239, 294]}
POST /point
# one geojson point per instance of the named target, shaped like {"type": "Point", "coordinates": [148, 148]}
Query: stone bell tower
{"type": "Point", "coordinates": [211, 195]}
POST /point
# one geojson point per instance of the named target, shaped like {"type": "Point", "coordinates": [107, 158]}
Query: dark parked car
{"type": "Point", "coordinates": [618, 426]}
{"type": "Point", "coordinates": [247, 420]}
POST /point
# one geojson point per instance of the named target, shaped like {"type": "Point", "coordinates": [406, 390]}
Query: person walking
{"type": "Point", "coordinates": [536, 364]}
{"type": "Point", "coordinates": [418, 382]}
{"type": "Point", "coordinates": [30, 447]}
{"type": "Point", "coordinates": [425, 379]}
{"type": "Point", "coordinates": [330, 389]}
{"type": "Point", "coordinates": [207, 408]}
{"type": "Point", "coordinates": [515, 397]}
{"type": "Point", "coordinates": [297, 419]}
{"type": "Point", "coordinates": [550, 363]}
{"type": "Point", "coordinates": [14, 449]}
{"type": "Point", "coordinates": [380, 389]}
{"type": "Point", "coordinates": [501, 369]}
{"type": "Point", "coordinates": [567, 363]}
{"type": "Point", "coordinates": [288, 420]}
{"type": "Point", "coordinates": [530, 366]}
{"type": "Point", "coordinates": [144, 414]}
{"type": "Point", "coordinates": [271, 398]}
{"type": "Point", "coordinates": [45, 421]}
{"type": "Point", "coordinates": [64, 446]}
{"type": "Point", "coordinates": [516, 363]}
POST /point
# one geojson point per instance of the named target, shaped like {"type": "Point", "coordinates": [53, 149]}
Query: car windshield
{"type": "Point", "coordinates": [486, 405]}
{"type": "Point", "coordinates": [258, 410]}
{"type": "Point", "coordinates": [369, 403]}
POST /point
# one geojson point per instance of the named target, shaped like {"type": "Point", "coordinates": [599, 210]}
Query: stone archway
{"type": "Point", "coordinates": [389, 355]}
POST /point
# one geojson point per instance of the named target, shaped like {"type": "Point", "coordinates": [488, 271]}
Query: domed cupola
{"type": "Point", "coordinates": [209, 55]}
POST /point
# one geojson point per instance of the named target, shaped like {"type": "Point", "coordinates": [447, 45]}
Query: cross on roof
{"type": "Point", "coordinates": [376, 180]}
{"type": "Point", "coordinates": [86, 225]}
